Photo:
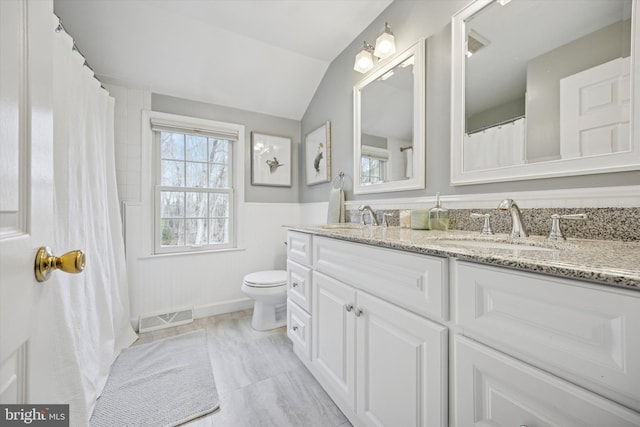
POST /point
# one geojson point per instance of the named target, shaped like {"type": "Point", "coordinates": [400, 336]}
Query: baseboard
{"type": "Point", "coordinates": [211, 309]}
{"type": "Point", "coordinates": [222, 307]}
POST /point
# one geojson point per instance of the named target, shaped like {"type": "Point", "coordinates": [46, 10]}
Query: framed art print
{"type": "Point", "coordinates": [318, 155]}
{"type": "Point", "coordinates": [270, 160]}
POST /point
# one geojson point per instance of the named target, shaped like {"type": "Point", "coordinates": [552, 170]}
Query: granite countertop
{"type": "Point", "coordinates": [606, 262]}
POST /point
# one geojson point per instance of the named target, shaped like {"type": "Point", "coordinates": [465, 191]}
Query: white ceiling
{"type": "Point", "coordinates": [266, 56]}
{"type": "Point", "coordinates": [521, 31]}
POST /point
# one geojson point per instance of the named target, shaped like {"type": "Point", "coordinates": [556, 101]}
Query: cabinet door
{"type": "Point", "coordinates": [333, 338]}
{"type": "Point", "coordinates": [585, 334]}
{"type": "Point", "coordinates": [401, 366]}
{"type": "Point", "coordinates": [495, 390]}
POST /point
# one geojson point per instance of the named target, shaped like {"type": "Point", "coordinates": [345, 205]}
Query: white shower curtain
{"type": "Point", "coordinates": [85, 322]}
{"type": "Point", "coordinates": [495, 147]}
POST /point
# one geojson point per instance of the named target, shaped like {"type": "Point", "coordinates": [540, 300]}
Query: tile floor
{"type": "Point", "coordinates": [260, 381]}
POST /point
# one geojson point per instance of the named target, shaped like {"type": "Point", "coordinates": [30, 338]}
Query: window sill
{"type": "Point", "coordinates": [179, 254]}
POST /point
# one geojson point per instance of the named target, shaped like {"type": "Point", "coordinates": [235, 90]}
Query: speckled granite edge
{"type": "Point", "coordinates": [602, 262]}
{"type": "Point", "coordinates": [621, 224]}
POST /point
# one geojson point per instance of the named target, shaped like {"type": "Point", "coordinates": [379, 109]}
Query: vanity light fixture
{"type": "Point", "coordinates": [385, 43]}
{"type": "Point", "coordinates": [385, 47]}
{"type": "Point", "coordinates": [364, 59]}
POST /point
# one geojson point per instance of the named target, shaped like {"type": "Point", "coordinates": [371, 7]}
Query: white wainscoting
{"type": "Point", "coordinates": [207, 282]}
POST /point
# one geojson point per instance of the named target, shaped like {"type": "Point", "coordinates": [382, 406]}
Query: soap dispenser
{"type": "Point", "coordinates": [438, 216]}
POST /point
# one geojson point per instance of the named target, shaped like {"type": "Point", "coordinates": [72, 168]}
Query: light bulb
{"type": "Point", "coordinates": [385, 43]}
{"type": "Point", "coordinates": [364, 59]}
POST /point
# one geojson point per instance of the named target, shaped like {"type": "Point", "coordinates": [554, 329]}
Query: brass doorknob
{"type": "Point", "coordinates": [46, 262]}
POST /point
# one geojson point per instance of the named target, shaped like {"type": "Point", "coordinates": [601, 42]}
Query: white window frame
{"type": "Point", "coordinates": [378, 154]}
{"type": "Point", "coordinates": [151, 169]}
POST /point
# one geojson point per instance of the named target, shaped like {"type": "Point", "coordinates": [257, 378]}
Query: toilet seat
{"type": "Point", "coordinates": [266, 279]}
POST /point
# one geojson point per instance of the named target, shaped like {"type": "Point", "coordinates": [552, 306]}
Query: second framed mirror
{"type": "Point", "coordinates": [389, 130]}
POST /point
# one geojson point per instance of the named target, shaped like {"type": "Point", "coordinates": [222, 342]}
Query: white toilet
{"type": "Point", "coordinates": [269, 291]}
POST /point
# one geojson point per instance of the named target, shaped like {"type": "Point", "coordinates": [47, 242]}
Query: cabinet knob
{"type": "Point", "coordinates": [295, 284]}
{"type": "Point", "coordinates": [359, 312]}
{"type": "Point", "coordinates": [348, 307]}
{"type": "Point", "coordinates": [294, 329]}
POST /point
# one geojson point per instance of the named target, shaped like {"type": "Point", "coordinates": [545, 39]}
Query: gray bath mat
{"type": "Point", "coordinates": [163, 383]}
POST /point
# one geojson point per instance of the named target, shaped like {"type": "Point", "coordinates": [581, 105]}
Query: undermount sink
{"type": "Point", "coordinates": [488, 244]}
{"type": "Point", "coordinates": [342, 225]}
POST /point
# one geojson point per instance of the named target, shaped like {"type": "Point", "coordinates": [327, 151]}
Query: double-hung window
{"type": "Point", "coordinates": [194, 192]}
{"type": "Point", "coordinates": [373, 165]}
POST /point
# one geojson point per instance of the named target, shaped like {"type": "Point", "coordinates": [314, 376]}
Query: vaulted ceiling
{"type": "Point", "coordinates": [266, 56]}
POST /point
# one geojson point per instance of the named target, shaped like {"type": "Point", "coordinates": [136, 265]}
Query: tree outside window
{"type": "Point", "coordinates": [194, 191]}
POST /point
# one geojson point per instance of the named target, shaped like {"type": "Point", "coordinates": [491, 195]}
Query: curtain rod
{"type": "Point", "coordinates": [504, 122]}
{"type": "Point", "coordinates": [75, 48]}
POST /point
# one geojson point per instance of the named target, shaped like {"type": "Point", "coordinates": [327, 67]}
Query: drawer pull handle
{"type": "Point", "coordinates": [348, 307]}
{"type": "Point", "coordinates": [359, 312]}
{"type": "Point", "coordinates": [295, 284]}
{"type": "Point", "coordinates": [294, 329]}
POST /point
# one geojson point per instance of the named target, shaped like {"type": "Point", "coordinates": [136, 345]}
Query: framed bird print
{"type": "Point", "coordinates": [270, 160]}
{"type": "Point", "coordinates": [318, 155]}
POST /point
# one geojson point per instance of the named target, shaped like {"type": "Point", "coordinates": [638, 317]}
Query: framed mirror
{"type": "Point", "coordinates": [388, 123]}
{"type": "Point", "coordinates": [544, 89]}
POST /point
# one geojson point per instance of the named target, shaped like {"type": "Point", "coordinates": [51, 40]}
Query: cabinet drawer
{"type": "Point", "coordinates": [416, 282]}
{"type": "Point", "coordinates": [587, 334]}
{"type": "Point", "coordinates": [492, 389]}
{"type": "Point", "coordinates": [299, 329]}
{"type": "Point", "coordinates": [299, 247]}
{"type": "Point", "coordinates": [299, 285]}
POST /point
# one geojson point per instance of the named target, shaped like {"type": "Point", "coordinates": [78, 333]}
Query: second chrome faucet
{"type": "Point", "coordinates": [372, 214]}
{"type": "Point", "coordinates": [517, 226]}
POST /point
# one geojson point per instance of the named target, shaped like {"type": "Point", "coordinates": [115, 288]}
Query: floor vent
{"type": "Point", "coordinates": [165, 320]}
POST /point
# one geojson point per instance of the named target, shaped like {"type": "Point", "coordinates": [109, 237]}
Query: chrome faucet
{"type": "Point", "coordinates": [517, 227]}
{"type": "Point", "coordinates": [372, 215]}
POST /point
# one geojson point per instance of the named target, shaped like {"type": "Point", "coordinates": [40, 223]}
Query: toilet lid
{"type": "Point", "coordinates": [266, 278]}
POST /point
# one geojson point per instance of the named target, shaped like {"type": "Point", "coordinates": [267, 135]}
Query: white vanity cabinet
{"type": "Point", "coordinates": [543, 351]}
{"type": "Point", "coordinates": [521, 349]}
{"type": "Point", "coordinates": [373, 348]}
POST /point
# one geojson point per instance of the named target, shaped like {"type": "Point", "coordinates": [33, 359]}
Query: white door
{"type": "Point", "coordinates": [594, 110]}
{"type": "Point", "coordinates": [26, 180]}
{"type": "Point", "coordinates": [333, 337]}
{"type": "Point", "coordinates": [401, 366]}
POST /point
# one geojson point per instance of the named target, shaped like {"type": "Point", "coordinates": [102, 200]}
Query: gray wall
{"type": "Point", "coordinates": [333, 101]}
{"type": "Point", "coordinates": [373, 141]}
{"type": "Point", "coordinates": [253, 122]}
{"type": "Point", "coordinates": [497, 114]}
{"type": "Point", "coordinates": [544, 72]}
